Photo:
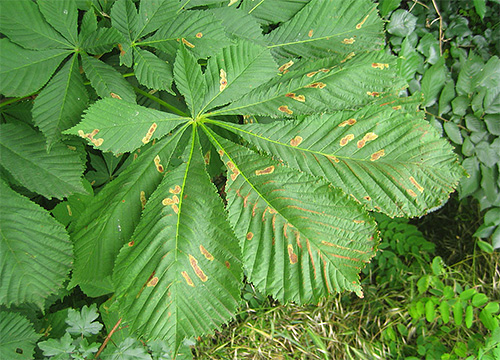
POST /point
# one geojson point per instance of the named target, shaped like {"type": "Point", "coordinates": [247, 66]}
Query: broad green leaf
{"type": "Point", "coordinates": [323, 28]}
{"type": "Point", "coordinates": [453, 132]}
{"type": "Point", "coordinates": [360, 152]}
{"type": "Point", "coordinates": [88, 25]}
{"type": "Point", "coordinates": [152, 72]}
{"type": "Point", "coordinates": [125, 19]}
{"type": "Point", "coordinates": [106, 80]}
{"type": "Point", "coordinates": [110, 219]}
{"type": "Point", "coordinates": [324, 85]}
{"type": "Point", "coordinates": [60, 104]}
{"type": "Point", "coordinates": [480, 6]}
{"type": "Point", "coordinates": [35, 251]}
{"type": "Point", "coordinates": [239, 25]}
{"type": "Point", "coordinates": [60, 348]}
{"type": "Point", "coordinates": [433, 81]}
{"type": "Point", "coordinates": [272, 11]}
{"type": "Point", "coordinates": [69, 210]}
{"type": "Point", "coordinates": [386, 6]}
{"type": "Point", "coordinates": [465, 82]}
{"type": "Point", "coordinates": [402, 23]}
{"type": "Point", "coordinates": [118, 126]}
{"type": "Point", "coordinates": [102, 40]}
{"type": "Point", "coordinates": [17, 337]}
{"type": "Point", "coordinates": [82, 323]}
{"type": "Point", "coordinates": [54, 174]}
{"type": "Point", "coordinates": [301, 239]}
{"type": "Point", "coordinates": [128, 349]}
{"type": "Point", "coordinates": [202, 32]}
{"type": "Point", "coordinates": [190, 80]}
{"type": "Point", "coordinates": [22, 71]}
{"type": "Point", "coordinates": [22, 22]}
{"type": "Point", "coordinates": [180, 275]}
{"type": "Point", "coordinates": [235, 71]}
{"type": "Point", "coordinates": [63, 16]}
{"type": "Point", "coordinates": [155, 13]}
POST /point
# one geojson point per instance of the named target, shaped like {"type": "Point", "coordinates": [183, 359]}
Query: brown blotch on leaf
{"type": "Point", "coordinates": [90, 136]}
{"type": "Point", "coordinates": [380, 66]}
{"type": "Point", "coordinates": [250, 236]}
{"type": "Point", "coordinates": [122, 52]}
{"type": "Point", "coordinates": [206, 158]}
{"type": "Point", "coordinates": [285, 109]}
{"type": "Point", "coordinates": [296, 141]}
{"type": "Point", "coordinates": [397, 107]}
{"type": "Point", "coordinates": [345, 140]}
{"type": "Point", "coordinates": [362, 22]}
{"type": "Point", "coordinates": [187, 278]}
{"type": "Point", "coordinates": [373, 93]}
{"type": "Point", "coordinates": [358, 221]}
{"type": "Point", "coordinates": [267, 170]}
{"type": "Point", "coordinates": [70, 213]}
{"type": "Point", "coordinates": [291, 255]}
{"type": "Point", "coordinates": [196, 268]}
{"type": "Point", "coordinates": [206, 253]}
{"type": "Point", "coordinates": [176, 190]}
{"type": "Point", "coordinates": [310, 33]}
{"type": "Point", "coordinates": [348, 41]}
{"type": "Point", "coordinates": [416, 184]}
{"type": "Point", "coordinates": [187, 43]}
{"type": "Point", "coordinates": [175, 208]}
{"type": "Point", "coordinates": [412, 193]}
{"type": "Point", "coordinates": [347, 122]}
{"type": "Point", "coordinates": [115, 96]}
{"type": "Point", "coordinates": [199, 35]}
{"type": "Point", "coordinates": [228, 265]}
{"type": "Point", "coordinates": [311, 74]}
{"type": "Point", "coordinates": [377, 155]}
{"type": "Point", "coordinates": [142, 196]}
{"type": "Point", "coordinates": [361, 143]}
{"type": "Point", "coordinates": [370, 136]}
{"type": "Point", "coordinates": [221, 152]}
{"type": "Point", "coordinates": [349, 57]}
{"type": "Point", "coordinates": [159, 166]}
{"type": "Point", "coordinates": [285, 66]}
{"type": "Point", "coordinates": [367, 198]}
{"type": "Point", "coordinates": [153, 281]}
{"type": "Point", "coordinates": [149, 134]}
{"type": "Point", "coordinates": [300, 98]}
{"type": "Point", "coordinates": [334, 158]}
{"type": "Point", "coordinates": [223, 80]}
{"type": "Point", "coordinates": [316, 85]}
{"type": "Point", "coordinates": [131, 243]}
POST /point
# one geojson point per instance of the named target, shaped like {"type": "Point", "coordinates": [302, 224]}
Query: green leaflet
{"type": "Point", "coordinates": [360, 152]}
{"type": "Point", "coordinates": [118, 126]}
{"type": "Point", "coordinates": [35, 251]}
{"type": "Point", "coordinates": [314, 238]}
{"type": "Point", "coordinates": [110, 218]}
{"type": "Point", "coordinates": [54, 174]}
{"type": "Point", "coordinates": [16, 332]}
{"type": "Point", "coordinates": [22, 22]}
{"type": "Point", "coordinates": [180, 275]}
{"type": "Point", "coordinates": [272, 11]}
{"type": "Point", "coordinates": [23, 71]}
{"type": "Point", "coordinates": [101, 40]}
{"type": "Point", "coordinates": [106, 80]}
{"type": "Point", "coordinates": [125, 19]}
{"type": "Point", "coordinates": [324, 27]}
{"type": "Point", "coordinates": [63, 16]}
{"type": "Point", "coordinates": [152, 72]}
{"type": "Point", "coordinates": [153, 14]}
{"type": "Point", "coordinates": [239, 25]}
{"type": "Point", "coordinates": [324, 85]}
{"type": "Point", "coordinates": [60, 104]}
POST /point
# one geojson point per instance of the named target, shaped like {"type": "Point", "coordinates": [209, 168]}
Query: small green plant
{"type": "Point", "coordinates": [300, 119]}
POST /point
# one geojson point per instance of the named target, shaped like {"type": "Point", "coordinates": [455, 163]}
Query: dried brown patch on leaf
{"type": "Point", "coordinates": [153, 281]}
{"type": "Point", "coordinates": [345, 140]}
{"type": "Point", "coordinates": [115, 96]}
{"type": "Point", "coordinates": [150, 133]}
{"type": "Point", "coordinates": [187, 278]}
{"type": "Point", "coordinates": [90, 136]}
{"type": "Point", "coordinates": [380, 66]}
{"type": "Point", "coordinates": [300, 98]}
{"type": "Point", "coordinates": [416, 184]}
{"type": "Point", "coordinates": [159, 166]}
{"type": "Point", "coordinates": [377, 155]}
{"type": "Point", "coordinates": [142, 196]}
{"type": "Point", "coordinates": [348, 57]}
{"type": "Point", "coordinates": [285, 109]}
{"type": "Point", "coordinates": [349, 41]}
{"type": "Point", "coordinates": [206, 253]}
{"type": "Point", "coordinates": [223, 80]}
{"type": "Point", "coordinates": [358, 26]}
{"type": "Point", "coordinates": [373, 93]}
{"type": "Point", "coordinates": [267, 170]}
{"type": "Point", "coordinates": [291, 255]}
{"type": "Point", "coordinates": [310, 33]}
{"type": "Point", "coordinates": [296, 141]}
{"type": "Point", "coordinates": [199, 35]}
{"type": "Point", "coordinates": [249, 236]}
{"type": "Point", "coordinates": [316, 85]}
{"type": "Point", "coordinates": [197, 269]}
{"type": "Point", "coordinates": [187, 43]}
{"type": "Point", "coordinates": [349, 122]}
{"type": "Point", "coordinates": [175, 190]}
{"type": "Point", "coordinates": [284, 68]}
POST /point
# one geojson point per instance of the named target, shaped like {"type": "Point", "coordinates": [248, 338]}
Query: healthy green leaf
{"type": "Point", "coordinates": [62, 347]}
{"type": "Point", "coordinates": [182, 251]}
{"type": "Point", "coordinates": [106, 80]}
{"type": "Point", "coordinates": [432, 82]}
{"type": "Point", "coordinates": [102, 40]}
{"type": "Point", "coordinates": [323, 28]}
{"type": "Point", "coordinates": [22, 22]}
{"type": "Point", "coordinates": [17, 336]}
{"type": "Point", "coordinates": [128, 349]}
{"type": "Point", "coordinates": [22, 71]}
{"type": "Point", "coordinates": [320, 238]}
{"type": "Point", "coordinates": [88, 25]}
{"type": "Point", "coordinates": [63, 16]}
{"type": "Point", "coordinates": [54, 174]}
{"type": "Point", "coordinates": [386, 6]}
{"type": "Point", "coordinates": [82, 323]}
{"type": "Point", "coordinates": [402, 23]}
{"type": "Point", "coordinates": [110, 219]}
{"type": "Point", "coordinates": [153, 14]}
{"type": "Point", "coordinates": [239, 24]}
{"type": "Point", "coordinates": [152, 72]}
{"type": "Point", "coordinates": [466, 83]}
{"type": "Point", "coordinates": [35, 251]}
{"type": "Point", "coordinates": [480, 6]}
{"type": "Point", "coordinates": [118, 126]}
{"type": "Point", "coordinates": [124, 18]}
{"type": "Point", "coordinates": [60, 104]}
{"type": "Point", "coordinates": [272, 11]}
{"type": "Point", "coordinates": [359, 152]}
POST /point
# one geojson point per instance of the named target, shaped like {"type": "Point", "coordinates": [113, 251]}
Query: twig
{"type": "Point", "coordinates": [446, 120]}
{"type": "Point", "coordinates": [107, 339]}
{"type": "Point", "coordinates": [440, 28]}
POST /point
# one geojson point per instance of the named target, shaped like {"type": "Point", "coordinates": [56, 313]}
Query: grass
{"type": "Point", "coordinates": [346, 327]}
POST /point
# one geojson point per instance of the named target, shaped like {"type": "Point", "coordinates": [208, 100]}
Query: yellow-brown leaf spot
{"type": "Point", "coordinates": [122, 52]}
{"type": "Point", "coordinates": [361, 143]}
{"type": "Point", "coordinates": [416, 184]}
{"type": "Point", "coordinates": [228, 265]}
{"type": "Point", "coordinates": [206, 158]}
{"type": "Point", "coordinates": [176, 190]}
{"type": "Point", "coordinates": [347, 122]}
{"type": "Point", "coordinates": [310, 33]}
{"type": "Point", "coordinates": [325, 70]}
{"type": "Point", "coordinates": [250, 236]}
{"type": "Point", "coordinates": [362, 22]}
{"type": "Point", "coordinates": [285, 109]}
{"type": "Point", "coordinates": [367, 198]}
{"type": "Point", "coordinates": [300, 98]}
{"type": "Point", "coordinates": [373, 93]}
{"type": "Point", "coordinates": [196, 268]}
{"type": "Point", "coordinates": [199, 35]}
{"type": "Point", "coordinates": [175, 208]}
{"type": "Point", "coordinates": [285, 66]}
{"type": "Point", "coordinates": [230, 165]}
{"type": "Point", "coordinates": [143, 199]}
{"type": "Point", "coordinates": [187, 43]}
{"type": "Point", "coordinates": [70, 213]}
{"type": "Point", "coordinates": [187, 278]}
{"type": "Point", "coordinates": [358, 221]}
{"type": "Point", "coordinates": [206, 253]}
{"type": "Point", "coordinates": [296, 141]}
{"type": "Point", "coordinates": [334, 158]}
{"type": "Point", "coordinates": [72, 148]}
{"type": "Point", "coordinates": [90, 136]}
{"type": "Point", "coordinates": [153, 281]}
{"type": "Point", "coordinates": [149, 134]}
{"type": "Point", "coordinates": [377, 155]}
{"type": "Point", "coordinates": [311, 74]}
{"type": "Point", "coordinates": [131, 243]}
{"type": "Point", "coordinates": [223, 80]}
{"type": "Point", "coordinates": [349, 57]}
{"type": "Point", "coordinates": [379, 66]}
{"type": "Point", "coordinates": [221, 152]}
{"type": "Point", "coordinates": [397, 107]}
{"type": "Point", "coordinates": [168, 201]}
{"type": "Point", "coordinates": [235, 174]}
{"type": "Point", "coordinates": [370, 136]}
{"type": "Point", "coordinates": [115, 96]}
{"type": "Point", "coordinates": [412, 193]}
{"type": "Point", "coordinates": [348, 41]}
{"type": "Point", "coordinates": [291, 255]}
{"type": "Point", "coordinates": [316, 85]}
{"type": "Point", "coordinates": [346, 139]}
{"type": "Point", "coordinates": [267, 170]}
{"type": "Point", "coordinates": [159, 166]}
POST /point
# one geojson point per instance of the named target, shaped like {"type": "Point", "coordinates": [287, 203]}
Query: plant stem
{"type": "Point", "coordinates": [440, 28]}
{"type": "Point", "coordinates": [107, 339]}
{"type": "Point", "coordinates": [161, 102]}
{"type": "Point", "coordinates": [446, 120]}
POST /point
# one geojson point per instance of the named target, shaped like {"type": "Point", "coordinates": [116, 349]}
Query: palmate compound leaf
{"type": "Point", "coordinates": [151, 71]}
{"type": "Point", "coordinates": [325, 85]}
{"type": "Point", "coordinates": [301, 239]}
{"type": "Point", "coordinates": [17, 337]}
{"type": "Point", "coordinates": [325, 27]}
{"type": "Point", "coordinates": [119, 126]}
{"type": "Point", "coordinates": [63, 16]}
{"type": "Point", "coordinates": [35, 251]}
{"type": "Point", "coordinates": [111, 217]}
{"type": "Point", "coordinates": [390, 160]}
{"type": "Point", "coordinates": [180, 274]}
